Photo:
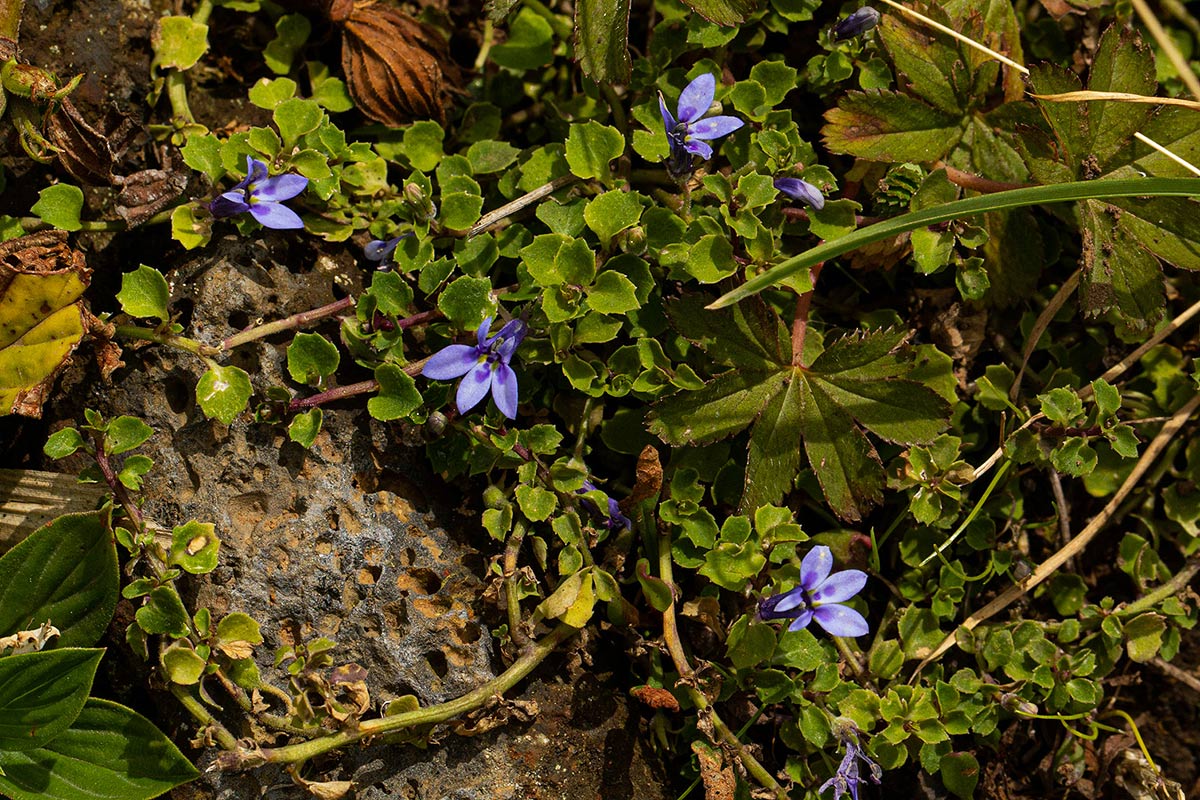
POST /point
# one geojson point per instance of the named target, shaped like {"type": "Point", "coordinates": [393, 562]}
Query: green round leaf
{"type": "Point", "coordinates": [181, 664]}
{"type": "Point", "coordinates": [590, 146]}
{"type": "Point", "coordinates": [164, 613]}
{"type": "Point", "coordinates": [398, 395]}
{"type": "Point", "coordinates": [304, 428]}
{"type": "Point", "coordinates": [223, 393]}
{"type": "Point", "coordinates": [144, 293]}
{"type": "Point", "coordinates": [179, 42]}
{"type": "Point", "coordinates": [311, 357]}
{"type": "Point", "coordinates": [194, 547]}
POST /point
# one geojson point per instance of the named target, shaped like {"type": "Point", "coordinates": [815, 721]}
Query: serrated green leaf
{"type": "Point", "coordinates": [612, 212]}
{"type": "Point", "coordinates": [1061, 406]}
{"type": "Point", "coordinates": [291, 32]}
{"type": "Point", "coordinates": [398, 395]}
{"type": "Point", "coordinates": [223, 393]}
{"type": "Point", "coordinates": [536, 503]}
{"type": "Point", "coordinates": [423, 145]}
{"type": "Point", "coordinates": [42, 693]}
{"type": "Point", "coordinates": [723, 12]}
{"type": "Point", "coordinates": [612, 293]}
{"type": "Point", "coordinates": [886, 126]}
{"type": "Point", "coordinates": [125, 433]}
{"type": "Point", "coordinates": [179, 42]}
{"type": "Point", "coordinates": [63, 443]}
{"type": "Point", "coordinates": [311, 357]}
{"type": "Point", "coordinates": [144, 293]}
{"type": "Point", "coordinates": [266, 94]}
{"type": "Point", "coordinates": [723, 407]}
{"type": "Point", "coordinates": [59, 206]}
{"type": "Point", "coordinates": [590, 148]}
{"type": "Point", "coordinates": [295, 117]}
{"type": "Point", "coordinates": [65, 572]}
{"type": "Point", "coordinates": [530, 43]}
{"type": "Point", "coordinates": [749, 335]}
{"type": "Point", "coordinates": [113, 751]}
{"type": "Point", "coordinates": [847, 466]}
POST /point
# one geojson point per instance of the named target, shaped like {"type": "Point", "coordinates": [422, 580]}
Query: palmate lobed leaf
{"type": "Point", "coordinates": [857, 383]}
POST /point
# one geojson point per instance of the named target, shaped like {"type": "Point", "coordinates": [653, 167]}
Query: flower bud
{"type": "Point", "coordinates": [1017, 704]}
{"type": "Point", "coordinates": [416, 199]}
{"type": "Point", "coordinates": [632, 240]}
{"type": "Point", "coordinates": [856, 24]}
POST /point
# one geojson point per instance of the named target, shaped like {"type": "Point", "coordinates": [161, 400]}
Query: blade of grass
{"type": "Point", "coordinates": [1033, 196]}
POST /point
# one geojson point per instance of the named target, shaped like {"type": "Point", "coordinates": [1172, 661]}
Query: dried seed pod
{"type": "Point", "coordinates": [396, 68]}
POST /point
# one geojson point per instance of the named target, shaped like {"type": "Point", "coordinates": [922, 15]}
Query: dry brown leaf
{"type": "Point", "coordinates": [396, 69]}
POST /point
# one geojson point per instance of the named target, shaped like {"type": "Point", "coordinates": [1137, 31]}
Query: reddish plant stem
{"type": "Point", "coordinates": [977, 184]}
{"type": "Point", "coordinates": [419, 319]}
{"type": "Point", "coordinates": [118, 489]}
{"type": "Point", "coordinates": [800, 321]}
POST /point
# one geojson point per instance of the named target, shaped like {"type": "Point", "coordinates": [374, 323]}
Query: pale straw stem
{"type": "Point", "coordinates": [1176, 158]}
{"type": "Point", "coordinates": [965, 40]}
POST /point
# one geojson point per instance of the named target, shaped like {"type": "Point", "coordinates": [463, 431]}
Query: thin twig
{"type": "Point", "coordinates": [287, 323]}
{"type": "Point", "coordinates": [1178, 159]}
{"type": "Point", "coordinates": [1064, 513]}
{"type": "Point", "coordinates": [1039, 327]}
{"type": "Point", "coordinates": [976, 183]}
{"type": "Point", "coordinates": [1090, 95]}
{"type": "Point", "coordinates": [1167, 44]}
{"type": "Point", "coordinates": [508, 209]}
{"type": "Point", "coordinates": [956, 35]}
{"type": "Point", "coordinates": [1183, 676]}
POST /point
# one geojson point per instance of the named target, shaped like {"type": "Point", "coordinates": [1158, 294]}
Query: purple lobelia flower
{"type": "Point", "coordinates": [616, 520]}
{"type": "Point", "coordinates": [263, 197]}
{"type": "Point", "coordinates": [484, 365]}
{"type": "Point", "coordinates": [800, 190]}
{"type": "Point", "coordinates": [381, 251]}
{"type": "Point", "coordinates": [819, 596]}
{"type": "Point", "coordinates": [856, 24]}
{"type": "Point", "coordinates": [847, 778]}
{"type": "Point", "coordinates": [690, 133]}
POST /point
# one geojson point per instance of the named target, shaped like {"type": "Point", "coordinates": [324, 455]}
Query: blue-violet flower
{"type": "Point", "coordinates": [856, 24]}
{"type": "Point", "coordinates": [381, 251]}
{"type": "Point", "coordinates": [485, 365]}
{"type": "Point", "coordinates": [615, 520]}
{"type": "Point", "coordinates": [687, 134]}
{"type": "Point", "coordinates": [847, 778]}
{"type": "Point", "coordinates": [262, 197]}
{"type": "Point", "coordinates": [800, 190]}
{"type": "Point", "coordinates": [819, 596]}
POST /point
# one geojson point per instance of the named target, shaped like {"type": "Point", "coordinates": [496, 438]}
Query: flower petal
{"type": "Point", "coordinates": [714, 127]}
{"type": "Point", "coordinates": [379, 250]}
{"type": "Point", "coordinates": [841, 620]}
{"type": "Point", "coordinates": [255, 171]}
{"type": "Point", "coordinates": [800, 190]}
{"type": "Point", "coordinates": [815, 567]}
{"type": "Point", "coordinates": [228, 205]}
{"type": "Point", "coordinates": [669, 121]}
{"type": "Point", "coordinates": [451, 362]}
{"type": "Point", "coordinates": [696, 97]}
{"type": "Point", "coordinates": [840, 586]}
{"type": "Point", "coordinates": [281, 187]}
{"type": "Point", "coordinates": [699, 148]}
{"type": "Point", "coordinates": [481, 335]}
{"type": "Point", "coordinates": [778, 606]}
{"type": "Point", "coordinates": [801, 621]}
{"type": "Point", "coordinates": [274, 215]}
{"type": "Point", "coordinates": [474, 387]}
{"type": "Point", "coordinates": [504, 390]}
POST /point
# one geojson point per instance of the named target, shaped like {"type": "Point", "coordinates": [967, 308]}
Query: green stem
{"type": "Point", "coordinates": [10, 18]}
{"type": "Point", "coordinates": [203, 12]}
{"type": "Point", "coordinates": [512, 549]}
{"type": "Point", "coordinates": [530, 658]}
{"type": "Point", "coordinates": [485, 44]}
{"type": "Point", "coordinates": [1037, 195]}
{"type": "Point", "coordinates": [224, 738]}
{"type": "Point", "coordinates": [30, 224]}
{"type": "Point", "coordinates": [1178, 582]}
{"type": "Point", "coordinates": [170, 340]}
{"type": "Point", "coordinates": [287, 323]}
{"type": "Point", "coordinates": [177, 95]}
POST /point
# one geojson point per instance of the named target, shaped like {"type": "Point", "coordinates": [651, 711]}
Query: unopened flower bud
{"type": "Point", "coordinates": [1017, 704]}
{"type": "Point", "coordinates": [416, 199]}
{"type": "Point", "coordinates": [493, 497]}
{"type": "Point", "coordinates": [632, 240]}
{"type": "Point", "coordinates": [856, 24]}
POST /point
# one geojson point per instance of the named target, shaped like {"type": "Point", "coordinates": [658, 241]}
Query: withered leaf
{"type": "Point", "coordinates": [396, 69]}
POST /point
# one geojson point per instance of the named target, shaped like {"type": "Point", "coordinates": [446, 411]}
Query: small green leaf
{"type": "Point", "coordinates": [266, 94]}
{"type": "Point", "coordinates": [423, 145]}
{"type": "Point", "coordinates": [291, 32]}
{"type": "Point", "coordinates": [1061, 405]}
{"type": "Point", "coordinates": [304, 427]}
{"type": "Point", "coordinates": [657, 591]}
{"type": "Point", "coordinates": [489, 156]}
{"type": "Point", "coordinates": [960, 774]}
{"type": "Point", "coordinates": [239, 627]}
{"type": "Point", "coordinates": [164, 613]}
{"type": "Point", "coordinates": [65, 572]}
{"type": "Point", "coordinates": [296, 117]}
{"type": "Point", "coordinates": [467, 301]}
{"type": "Point", "coordinates": [590, 146]}
{"type": "Point", "coordinates": [181, 664]}
{"type": "Point", "coordinates": [612, 293]}
{"type": "Point", "coordinates": [63, 443]}
{"type": "Point", "coordinates": [723, 12]}
{"type": "Point", "coordinates": [42, 693]}
{"type": "Point", "coordinates": [1144, 636]}
{"type": "Point", "coordinates": [203, 154]}
{"type": "Point", "coordinates": [612, 212]}
{"type": "Point", "coordinates": [223, 393]}
{"type": "Point", "coordinates": [114, 752]}
{"type": "Point", "coordinates": [460, 210]}
{"type": "Point", "coordinates": [536, 503]}
{"type": "Point", "coordinates": [144, 293]}
{"type": "Point", "coordinates": [194, 547]}
{"type": "Point", "coordinates": [398, 395]}
{"type": "Point", "coordinates": [530, 43]}
{"type": "Point", "coordinates": [1108, 399]}
{"type": "Point", "coordinates": [125, 433]}
{"type": "Point", "coordinates": [188, 230]}
{"type": "Point", "coordinates": [133, 470]}
{"type": "Point", "coordinates": [311, 358]}
{"type": "Point", "coordinates": [59, 206]}
{"type": "Point", "coordinates": [179, 42]}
